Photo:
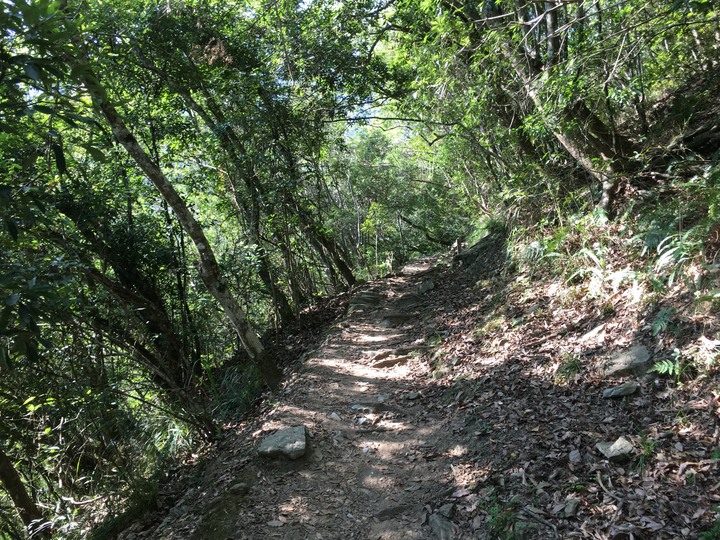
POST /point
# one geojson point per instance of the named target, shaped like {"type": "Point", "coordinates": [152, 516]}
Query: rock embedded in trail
{"type": "Point", "coordinates": [395, 319]}
{"type": "Point", "coordinates": [625, 389]}
{"type": "Point", "coordinates": [617, 451]}
{"type": "Point", "coordinates": [425, 286]}
{"type": "Point", "coordinates": [289, 442]}
{"type": "Point", "coordinates": [410, 301]}
{"type": "Point", "coordinates": [392, 512]}
{"type": "Point", "coordinates": [241, 488]}
{"type": "Point", "coordinates": [365, 300]}
{"type": "Point", "coordinates": [441, 525]}
{"type": "Point", "coordinates": [571, 506]}
{"type": "Point", "coordinates": [633, 361]}
{"type": "Point", "coordinates": [391, 361]}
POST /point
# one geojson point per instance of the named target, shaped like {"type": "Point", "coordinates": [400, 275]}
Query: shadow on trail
{"type": "Point", "coordinates": [460, 444]}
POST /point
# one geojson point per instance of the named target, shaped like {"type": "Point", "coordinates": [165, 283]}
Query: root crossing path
{"type": "Point", "coordinates": [372, 468]}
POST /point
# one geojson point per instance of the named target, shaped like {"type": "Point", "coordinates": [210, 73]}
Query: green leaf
{"type": "Point", "coordinates": [5, 362]}
{"type": "Point", "coordinates": [43, 109]}
{"type": "Point", "coordinates": [29, 400]}
{"type": "Point", "coordinates": [59, 158]}
{"type": "Point", "coordinates": [95, 153]}
{"type": "Point", "coordinates": [32, 71]}
{"type": "Point", "coordinates": [12, 228]}
{"type": "Point", "coordinates": [5, 318]}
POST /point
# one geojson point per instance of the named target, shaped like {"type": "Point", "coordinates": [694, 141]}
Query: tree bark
{"type": "Point", "coordinates": [216, 122]}
{"type": "Point", "coordinates": [599, 149]}
{"type": "Point", "coordinates": [207, 265]}
{"type": "Point", "coordinates": [29, 512]}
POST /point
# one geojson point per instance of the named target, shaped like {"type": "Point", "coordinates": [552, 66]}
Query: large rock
{"type": "Point", "coordinates": [365, 301]}
{"type": "Point", "coordinates": [633, 361]}
{"type": "Point", "coordinates": [289, 442]}
{"type": "Point", "coordinates": [367, 297]}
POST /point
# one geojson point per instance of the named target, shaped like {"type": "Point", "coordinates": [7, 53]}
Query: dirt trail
{"type": "Point", "coordinates": [362, 476]}
{"type": "Point", "coordinates": [463, 411]}
{"type": "Point", "coordinates": [370, 470]}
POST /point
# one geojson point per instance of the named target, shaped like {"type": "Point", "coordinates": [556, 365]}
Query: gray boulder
{"type": "Point", "coordinates": [633, 361]}
{"type": "Point", "coordinates": [289, 442]}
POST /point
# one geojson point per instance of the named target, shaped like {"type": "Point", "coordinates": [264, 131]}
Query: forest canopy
{"type": "Point", "coordinates": [181, 179]}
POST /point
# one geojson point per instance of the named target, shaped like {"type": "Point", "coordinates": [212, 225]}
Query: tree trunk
{"type": "Point", "coordinates": [215, 121]}
{"type": "Point", "coordinates": [207, 265]}
{"type": "Point", "coordinates": [599, 149]}
{"type": "Point", "coordinates": [29, 512]}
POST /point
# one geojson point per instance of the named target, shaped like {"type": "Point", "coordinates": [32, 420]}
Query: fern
{"type": "Point", "coordinates": [667, 367]}
{"type": "Point", "coordinates": [662, 320]}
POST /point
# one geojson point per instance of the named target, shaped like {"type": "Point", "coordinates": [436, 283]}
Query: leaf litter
{"type": "Point", "coordinates": [488, 426]}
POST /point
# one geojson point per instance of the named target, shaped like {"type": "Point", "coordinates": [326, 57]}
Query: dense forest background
{"type": "Point", "coordinates": [182, 179]}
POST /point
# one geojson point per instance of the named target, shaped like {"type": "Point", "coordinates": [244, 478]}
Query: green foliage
{"type": "Point", "coordinates": [502, 519]}
{"type": "Point", "coordinates": [647, 449]}
{"type": "Point", "coordinates": [569, 367]}
{"type": "Point", "coordinates": [316, 143]}
{"type": "Point", "coordinates": [142, 499]}
{"type": "Point", "coordinates": [238, 389]}
{"type": "Point", "coordinates": [678, 367]}
{"type": "Point", "coordinates": [663, 320]}
{"type": "Point", "coordinates": [714, 532]}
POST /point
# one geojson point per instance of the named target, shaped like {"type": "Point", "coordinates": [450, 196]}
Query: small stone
{"type": "Point", "coordinates": [446, 510]}
{"type": "Point", "coordinates": [571, 506]}
{"type": "Point", "coordinates": [392, 361]}
{"type": "Point", "coordinates": [413, 395]}
{"type": "Point", "coordinates": [395, 319]}
{"type": "Point", "coordinates": [290, 443]}
{"type": "Point", "coordinates": [240, 488]}
{"type": "Point", "coordinates": [442, 527]}
{"type": "Point", "coordinates": [592, 334]}
{"type": "Point", "coordinates": [335, 416]}
{"type": "Point", "coordinates": [392, 511]}
{"type": "Point", "coordinates": [382, 355]}
{"type": "Point", "coordinates": [575, 456]}
{"type": "Point", "coordinates": [367, 407]}
{"type": "Point", "coordinates": [425, 286]}
{"type": "Point", "coordinates": [625, 389]}
{"type": "Point", "coordinates": [617, 451]}
{"type": "Point", "coordinates": [179, 510]}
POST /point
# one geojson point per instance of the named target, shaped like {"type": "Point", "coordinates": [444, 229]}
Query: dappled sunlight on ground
{"type": "Point", "coordinates": [481, 421]}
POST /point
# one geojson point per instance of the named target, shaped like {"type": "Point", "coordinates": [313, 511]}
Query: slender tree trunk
{"type": "Point", "coordinates": [207, 265]}
{"type": "Point", "coordinates": [229, 142]}
{"type": "Point", "coordinates": [599, 149]}
{"type": "Point", "coordinates": [29, 512]}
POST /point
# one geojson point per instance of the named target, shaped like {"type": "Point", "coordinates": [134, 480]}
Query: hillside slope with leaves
{"type": "Point", "coordinates": [468, 403]}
